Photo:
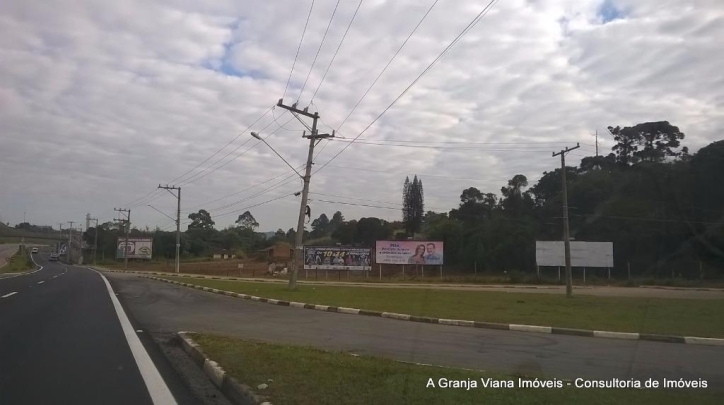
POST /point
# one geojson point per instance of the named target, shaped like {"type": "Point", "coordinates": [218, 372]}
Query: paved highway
{"type": "Point", "coordinates": [164, 308]}
{"type": "Point", "coordinates": [64, 338]}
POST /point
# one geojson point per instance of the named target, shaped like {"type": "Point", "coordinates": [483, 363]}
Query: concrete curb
{"type": "Point", "coordinates": [236, 392]}
{"type": "Point", "coordinates": [692, 340]}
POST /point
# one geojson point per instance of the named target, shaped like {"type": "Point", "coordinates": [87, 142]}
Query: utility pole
{"type": "Point", "coordinates": [70, 242]}
{"type": "Point", "coordinates": [22, 239]}
{"type": "Point", "coordinates": [566, 238]}
{"type": "Point", "coordinates": [60, 234]}
{"type": "Point", "coordinates": [178, 221]}
{"type": "Point", "coordinates": [95, 237]}
{"type": "Point", "coordinates": [314, 138]}
{"type": "Point", "coordinates": [127, 221]}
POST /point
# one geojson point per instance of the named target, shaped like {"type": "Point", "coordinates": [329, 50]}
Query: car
{"type": "Point", "coordinates": [35, 250]}
{"type": "Point", "coordinates": [53, 257]}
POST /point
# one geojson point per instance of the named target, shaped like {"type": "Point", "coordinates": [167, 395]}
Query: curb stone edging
{"type": "Point", "coordinates": [235, 391]}
{"type": "Point", "coordinates": [692, 340]}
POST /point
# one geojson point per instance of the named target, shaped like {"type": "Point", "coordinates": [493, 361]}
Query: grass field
{"type": "Point", "coordinates": [645, 315]}
{"type": "Point", "coordinates": [304, 376]}
{"type": "Point", "coordinates": [17, 264]}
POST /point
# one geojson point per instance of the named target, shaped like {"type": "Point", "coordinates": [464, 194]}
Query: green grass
{"type": "Point", "coordinates": [18, 264]}
{"type": "Point", "coordinates": [687, 317]}
{"type": "Point", "coordinates": [304, 376]}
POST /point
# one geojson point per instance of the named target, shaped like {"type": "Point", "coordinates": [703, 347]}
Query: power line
{"type": "Point", "coordinates": [418, 174]}
{"type": "Point", "coordinates": [355, 198]}
{"type": "Point", "coordinates": [427, 69]}
{"type": "Point", "coordinates": [388, 63]}
{"type": "Point", "coordinates": [339, 137]}
{"type": "Point", "coordinates": [298, 48]}
{"type": "Point", "coordinates": [436, 147]}
{"type": "Point", "coordinates": [255, 205]}
{"type": "Point", "coordinates": [146, 198]}
{"type": "Point", "coordinates": [336, 51]}
{"type": "Point", "coordinates": [318, 49]}
{"type": "Point", "coordinates": [647, 219]}
{"type": "Point", "coordinates": [191, 180]}
{"type": "Point", "coordinates": [240, 191]}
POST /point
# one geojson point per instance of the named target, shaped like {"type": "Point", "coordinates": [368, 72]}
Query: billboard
{"type": "Point", "coordinates": [583, 254]}
{"type": "Point", "coordinates": [138, 248]}
{"type": "Point", "coordinates": [408, 252]}
{"type": "Point", "coordinates": [336, 258]}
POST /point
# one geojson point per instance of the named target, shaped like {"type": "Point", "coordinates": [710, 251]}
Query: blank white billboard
{"type": "Point", "coordinates": [583, 254]}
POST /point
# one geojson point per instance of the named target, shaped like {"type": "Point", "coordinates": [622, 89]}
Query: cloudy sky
{"type": "Point", "coordinates": [101, 101]}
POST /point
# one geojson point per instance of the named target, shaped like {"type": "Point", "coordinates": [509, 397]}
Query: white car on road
{"type": "Point", "coordinates": [35, 250]}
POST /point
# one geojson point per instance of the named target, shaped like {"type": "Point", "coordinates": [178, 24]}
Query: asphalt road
{"type": "Point", "coordinates": [164, 308]}
{"type": "Point", "coordinates": [63, 341]}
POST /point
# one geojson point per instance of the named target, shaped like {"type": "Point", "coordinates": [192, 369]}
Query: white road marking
{"type": "Point", "coordinates": [157, 388]}
{"type": "Point", "coordinates": [41, 282]}
{"type": "Point", "coordinates": [25, 274]}
{"type": "Point", "coordinates": [10, 295]}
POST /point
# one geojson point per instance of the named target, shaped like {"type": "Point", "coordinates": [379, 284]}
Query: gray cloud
{"type": "Point", "coordinates": [99, 102]}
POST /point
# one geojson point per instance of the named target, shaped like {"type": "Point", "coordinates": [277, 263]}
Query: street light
{"type": "Point", "coordinates": [256, 135]}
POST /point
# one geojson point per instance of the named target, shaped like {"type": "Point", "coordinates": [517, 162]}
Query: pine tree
{"type": "Point", "coordinates": [413, 205]}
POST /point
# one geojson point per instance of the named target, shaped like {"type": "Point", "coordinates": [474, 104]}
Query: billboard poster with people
{"type": "Point", "coordinates": [337, 258]}
{"type": "Point", "coordinates": [409, 252]}
{"type": "Point", "coordinates": [137, 248]}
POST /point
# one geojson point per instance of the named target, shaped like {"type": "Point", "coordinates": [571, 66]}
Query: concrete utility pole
{"type": "Point", "coordinates": [178, 222]}
{"type": "Point", "coordinates": [314, 138]}
{"type": "Point", "coordinates": [60, 235]}
{"type": "Point", "coordinates": [95, 237]}
{"type": "Point", "coordinates": [127, 221]}
{"type": "Point", "coordinates": [70, 242]}
{"type": "Point", "coordinates": [566, 238]}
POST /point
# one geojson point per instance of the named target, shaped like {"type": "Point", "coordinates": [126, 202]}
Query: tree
{"type": "Point", "coordinates": [648, 141]}
{"type": "Point", "coordinates": [246, 220]}
{"type": "Point", "coordinates": [372, 229]}
{"type": "Point", "coordinates": [413, 207]}
{"type": "Point", "coordinates": [337, 220]}
{"type": "Point", "coordinates": [320, 226]}
{"type": "Point", "coordinates": [201, 221]}
{"type": "Point", "coordinates": [346, 233]}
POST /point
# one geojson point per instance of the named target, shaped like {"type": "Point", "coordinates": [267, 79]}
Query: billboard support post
{"type": "Point", "coordinates": [584, 275]}
{"type": "Point", "coordinates": [475, 266]}
{"type": "Point", "coordinates": [403, 271]}
{"type": "Point", "coordinates": [559, 273]}
{"type": "Point", "coordinates": [609, 273]}
{"type": "Point", "coordinates": [537, 271]}
{"type": "Point", "coordinates": [440, 272]}
{"type": "Point", "coordinates": [628, 265]}
{"type": "Point", "coordinates": [380, 272]}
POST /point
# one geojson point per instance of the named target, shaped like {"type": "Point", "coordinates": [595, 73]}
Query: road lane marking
{"type": "Point", "coordinates": [10, 295]}
{"type": "Point", "coordinates": [25, 274]}
{"type": "Point", "coordinates": [41, 282]}
{"type": "Point", "coordinates": [157, 388]}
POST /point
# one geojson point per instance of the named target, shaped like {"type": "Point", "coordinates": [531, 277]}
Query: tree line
{"type": "Point", "coordinates": [662, 207]}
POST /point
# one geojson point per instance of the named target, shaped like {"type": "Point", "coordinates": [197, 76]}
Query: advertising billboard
{"type": "Point", "coordinates": [583, 254]}
{"type": "Point", "coordinates": [138, 248]}
{"type": "Point", "coordinates": [409, 252]}
{"type": "Point", "coordinates": [336, 258]}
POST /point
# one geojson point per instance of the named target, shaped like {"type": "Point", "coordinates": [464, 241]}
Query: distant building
{"type": "Point", "coordinates": [222, 254]}
{"type": "Point", "coordinates": [279, 252]}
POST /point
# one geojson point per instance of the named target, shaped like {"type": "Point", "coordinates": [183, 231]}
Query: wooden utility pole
{"type": "Point", "coordinates": [127, 222]}
{"type": "Point", "coordinates": [314, 138]}
{"type": "Point", "coordinates": [178, 221]}
{"type": "Point", "coordinates": [566, 238]}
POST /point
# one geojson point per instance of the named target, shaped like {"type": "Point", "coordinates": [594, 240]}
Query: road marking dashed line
{"type": "Point", "coordinates": [10, 295]}
{"type": "Point", "coordinates": [41, 282]}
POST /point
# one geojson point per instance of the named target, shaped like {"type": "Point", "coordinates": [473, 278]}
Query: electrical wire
{"type": "Point", "coordinates": [475, 20]}
{"type": "Point", "coordinates": [537, 150]}
{"type": "Point", "coordinates": [388, 64]}
{"type": "Point", "coordinates": [298, 48]}
{"type": "Point", "coordinates": [318, 49]}
{"type": "Point", "coordinates": [335, 53]}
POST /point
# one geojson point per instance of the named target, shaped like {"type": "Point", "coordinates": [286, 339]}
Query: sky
{"type": "Point", "coordinates": [100, 102]}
